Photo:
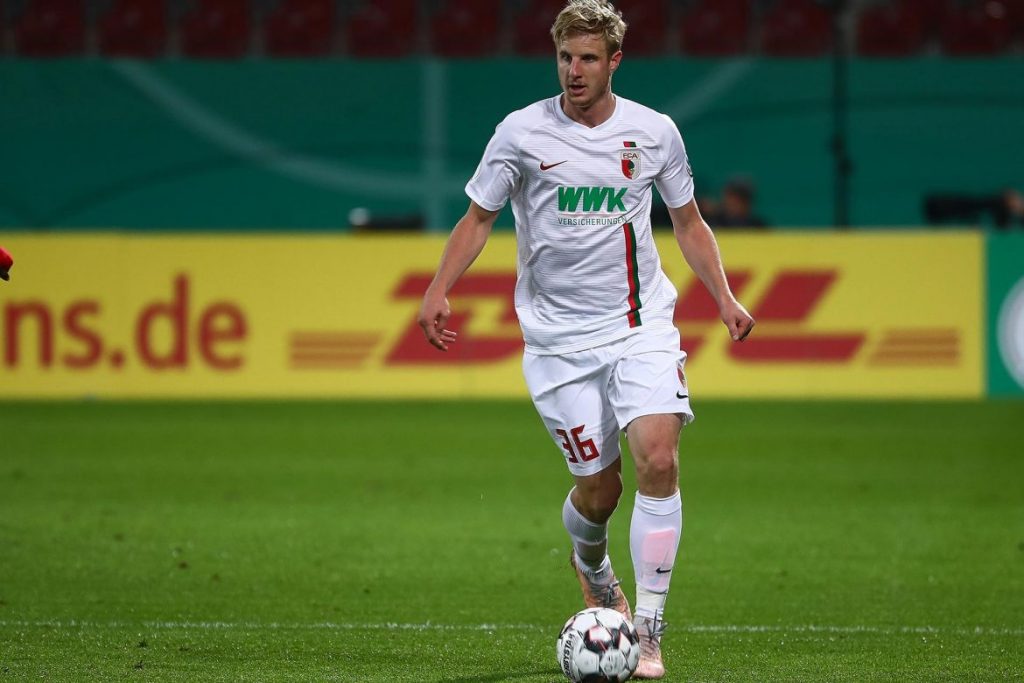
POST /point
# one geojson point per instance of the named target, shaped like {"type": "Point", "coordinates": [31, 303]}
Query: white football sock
{"type": "Point", "coordinates": [654, 535]}
{"type": "Point", "coordinates": [589, 542]}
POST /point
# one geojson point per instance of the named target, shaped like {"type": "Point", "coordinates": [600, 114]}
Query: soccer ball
{"type": "Point", "coordinates": [598, 645]}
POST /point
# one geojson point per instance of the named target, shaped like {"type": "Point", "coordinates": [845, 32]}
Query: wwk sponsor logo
{"type": "Point", "coordinates": [591, 199]}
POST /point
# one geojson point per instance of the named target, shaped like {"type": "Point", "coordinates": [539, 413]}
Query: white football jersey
{"type": "Point", "coordinates": [588, 272]}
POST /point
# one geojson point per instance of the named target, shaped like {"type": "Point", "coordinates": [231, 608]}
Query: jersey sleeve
{"type": "Point", "coordinates": [498, 172]}
{"type": "Point", "coordinates": [675, 181]}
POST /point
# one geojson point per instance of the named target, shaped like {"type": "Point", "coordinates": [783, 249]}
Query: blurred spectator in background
{"type": "Point", "coordinates": [1002, 208]}
{"type": "Point", "coordinates": [736, 208]}
{"type": "Point", "coordinates": [361, 219]}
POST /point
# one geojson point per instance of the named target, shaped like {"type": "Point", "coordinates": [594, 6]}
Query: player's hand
{"type": "Point", "coordinates": [737, 320]}
{"type": "Point", "coordinates": [433, 317]}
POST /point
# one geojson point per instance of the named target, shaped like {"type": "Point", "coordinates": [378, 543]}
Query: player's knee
{"type": "Point", "coordinates": [660, 466]}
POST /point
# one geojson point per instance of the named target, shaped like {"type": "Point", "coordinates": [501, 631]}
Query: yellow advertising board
{"type": "Point", "coordinates": [839, 315]}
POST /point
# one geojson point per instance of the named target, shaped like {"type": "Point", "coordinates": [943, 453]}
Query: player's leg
{"type": "Point", "coordinates": [651, 398]}
{"type": "Point", "coordinates": [657, 522]}
{"type": "Point", "coordinates": [586, 511]}
{"type": "Point", "coordinates": [568, 392]}
{"type": "Point", "coordinates": [655, 529]}
{"type": "Point", "coordinates": [585, 515]}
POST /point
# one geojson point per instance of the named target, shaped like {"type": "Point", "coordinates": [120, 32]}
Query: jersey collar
{"type": "Point", "coordinates": [564, 118]}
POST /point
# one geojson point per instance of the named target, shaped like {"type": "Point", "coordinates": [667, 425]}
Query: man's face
{"type": "Point", "coordinates": [585, 68]}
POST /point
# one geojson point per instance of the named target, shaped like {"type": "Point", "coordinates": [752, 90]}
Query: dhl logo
{"type": "Point", "coordinates": [782, 313]}
{"type": "Point", "coordinates": [484, 301]}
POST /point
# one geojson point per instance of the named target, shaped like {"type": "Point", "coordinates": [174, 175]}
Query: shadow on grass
{"type": "Point", "coordinates": [555, 673]}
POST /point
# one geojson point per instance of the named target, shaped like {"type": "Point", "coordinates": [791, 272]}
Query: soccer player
{"type": "Point", "coordinates": [602, 354]}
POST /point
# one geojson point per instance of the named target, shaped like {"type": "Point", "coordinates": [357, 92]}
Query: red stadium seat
{"type": "Point", "coordinates": [890, 30]}
{"type": "Point", "coordinates": [929, 12]}
{"type": "Point", "coordinates": [216, 29]}
{"type": "Point", "coordinates": [713, 29]}
{"type": "Point", "coordinates": [796, 28]}
{"type": "Point", "coordinates": [980, 28]}
{"type": "Point", "coordinates": [51, 28]}
{"type": "Point", "coordinates": [300, 28]}
{"type": "Point", "coordinates": [533, 27]}
{"type": "Point", "coordinates": [134, 28]}
{"type": "Point", "coordinates": [385, 28]}
{"type": "Point", "coordinates": [1016, 10]}
{"type": "Point", "coordinates": [647, 21]}
{"type": "Point", "coordinates": [466, 28]}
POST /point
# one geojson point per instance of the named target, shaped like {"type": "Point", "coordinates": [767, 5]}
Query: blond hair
{"type": "Point", "coordinates": [590, 17]}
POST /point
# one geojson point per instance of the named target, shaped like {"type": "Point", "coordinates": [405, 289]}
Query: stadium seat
{"type": "Point", "coordinates": [716, 28]}
{"type": "Point", "coordinates": [300, 28]}
{"type": "Point", "coordinates": [216, 29]}
{"type": "Point", "coordinates": [929, 12]}
{"type": "Point", "coordinates": [647, 20]}
{"type": "Point", "coordinates": [983, 27]}
{"type": "Point", "coordinates": [1016, 10]}
{"type": "Point", "coordinates": [51, 28]}
{"type": "Point", "coordinates": [890, 30]}
{"type": "Point", "coordinates": [385, 28]}
{"type": "Point", "coordinates": [134, 28]}
{"type": "Point", "coordinates": [466, 28]}
{"type": "Point", "coordinates": [796, 28]}
{"type": "Point", "coordinates": [532, 34]}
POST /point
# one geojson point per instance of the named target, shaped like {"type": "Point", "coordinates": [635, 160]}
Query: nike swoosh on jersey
{"type": "Point", "coordinates": [545, 167]}
{"type": "Point", "coordinates": [679, 395]}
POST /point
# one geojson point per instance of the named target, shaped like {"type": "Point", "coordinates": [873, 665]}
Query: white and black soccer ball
{"type": "Point", "coordinates": [598, 645]}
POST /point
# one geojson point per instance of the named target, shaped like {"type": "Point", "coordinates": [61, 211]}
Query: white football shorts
{"type": "Point", "coordinates": [586, 398]}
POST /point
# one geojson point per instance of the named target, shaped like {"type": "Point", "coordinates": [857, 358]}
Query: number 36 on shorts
{"type": "Point", "coordinates": [576, 450]}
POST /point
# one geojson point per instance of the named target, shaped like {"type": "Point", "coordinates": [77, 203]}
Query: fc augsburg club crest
{"type": "Point", "coordinates": [630, 163]}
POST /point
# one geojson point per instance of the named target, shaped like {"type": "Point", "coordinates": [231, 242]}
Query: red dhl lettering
{"type": "Point", "coordinates": [791, 298]}
{"type": "Point", "coordinates": [413, 349]}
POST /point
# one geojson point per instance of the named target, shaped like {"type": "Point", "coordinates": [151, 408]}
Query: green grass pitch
{"type": "Point", "coordinates": [423, 542]}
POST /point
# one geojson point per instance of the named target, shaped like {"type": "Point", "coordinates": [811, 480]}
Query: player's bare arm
{"type": "Point", "coordinates": [464, 245]}
{"type": "Point", "coordinates": [700, 249]}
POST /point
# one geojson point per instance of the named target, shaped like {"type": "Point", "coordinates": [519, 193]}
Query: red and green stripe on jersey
{"type": "Point", "coordinates": [633, 276]}
{"type": "Point", "coordinates": [628, 143]}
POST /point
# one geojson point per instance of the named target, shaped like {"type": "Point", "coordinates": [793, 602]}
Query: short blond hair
{"type": "Point", "coordinates": [590, 17]}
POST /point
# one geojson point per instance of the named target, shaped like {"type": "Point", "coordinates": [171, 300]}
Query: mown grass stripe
{"type": "Point", "coordinates": [430, 626]}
